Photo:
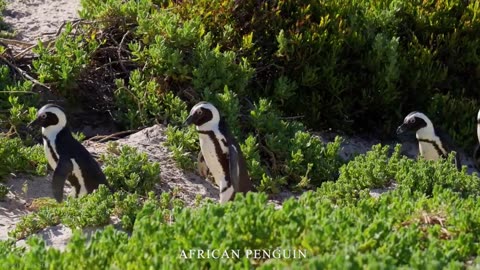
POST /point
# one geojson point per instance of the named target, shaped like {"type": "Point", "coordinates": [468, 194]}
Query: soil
{"type": "Point", "coordinates": [39, 19]}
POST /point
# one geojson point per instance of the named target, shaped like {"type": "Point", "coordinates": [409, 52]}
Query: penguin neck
{"type": "Point", "coordinates": [427, 133]}
{"type": "Point", "coordinates": [51, 132]}
{"type": "Point", "coordinates": [208, 126]}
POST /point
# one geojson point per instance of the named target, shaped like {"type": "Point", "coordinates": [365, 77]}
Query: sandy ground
{"type": "Point", "coordinates": [39, 19]}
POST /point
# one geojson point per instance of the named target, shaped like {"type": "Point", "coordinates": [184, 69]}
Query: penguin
{"type": "Point", "coordinates": [476, 152]}
{"type": "Point", "coordinates": [220, 150]}
{"type": "Point", "coordinates": [67, 157]}
{"type": "Point", "coordinates": [432, 144]}
{"type": "Point", "coordinates": [202, 167]}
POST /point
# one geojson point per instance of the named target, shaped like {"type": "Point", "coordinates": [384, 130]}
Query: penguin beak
{"type": "Point", "coordinates": [188, 121]}
{"type": "Point", "coordinates": [34, 123]}
{"type": "Point", "coordinates": [400, 130]}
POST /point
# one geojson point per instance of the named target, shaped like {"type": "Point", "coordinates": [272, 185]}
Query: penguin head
{"type": "Point", "coordinates": [416, 122]}
{"type": "Point", "coordinates": [204, 115]}
{"type": "Point", "coordinates": [51, 118]}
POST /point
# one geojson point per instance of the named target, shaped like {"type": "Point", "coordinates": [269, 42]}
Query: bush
{"type": "Point", "coordinates": [71, 55]}
{"type": "Point", "coordinates": [394, 230]}
{"type": "Point", "coordinates": [3, 192]}
{"type": "Point", "coordinates": [393, 57]}
{"type": "Point", "coordinates": [128, 170]}
{"type": "Point", "coordinates": [457, 116]}
{"type": "Point", "coordinates": [141, 103]}
{"type": "Point", "coordinates": [16, 98]}
{"type": "Point", "coordinates": [15, 157]}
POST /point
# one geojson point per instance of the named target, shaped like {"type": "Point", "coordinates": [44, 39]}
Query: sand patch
{"type": "Point", "coordinates": [39, 19]}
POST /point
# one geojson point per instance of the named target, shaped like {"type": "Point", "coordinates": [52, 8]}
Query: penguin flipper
{"type": "Point", "coordinates": [233, 164]}
{"type": "Point", "coordinates": [63, 170]}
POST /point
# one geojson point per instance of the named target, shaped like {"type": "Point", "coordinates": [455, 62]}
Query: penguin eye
{"type": "Point", "coordinates": [411, 121]}
{"type": "Point", "coordinates": [43, 115]}
{"type": "Point", "coordinates": [199, 112]}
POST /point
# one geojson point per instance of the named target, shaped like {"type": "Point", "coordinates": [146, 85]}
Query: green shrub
{"type": "Point", "coordinates": [183, 142]}
{"type": "Point", "coordinates": [392, 56]}
{"type": "Point", "coordinates": [353, 66]}
{"type": "Point", "coordinates": [17, 98]}
{"type": "Point", "coordinates": [377, 169]}
{"type": "Point", "coordinates": [142, 103]}
{"type": "Point", "coordinates": [92, 210]}
{"type": "Point", "coordinates": [3, 191]}
{"type": "Point", "coordinates": [394, 230]}
{"type": "Point", "coordinates": [128, 170]}
{"type": "Point", "coordinates": [15, 157]}
{"type": "Point", "coordinates": [293, 155]}
{"type": "Point", "coordinates": [71, 55]}
{"type": "Point", "coordinates": [455, 115]}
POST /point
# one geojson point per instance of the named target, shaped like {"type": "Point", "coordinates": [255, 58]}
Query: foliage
{"type": "Point", "coordinates": [377, 169]}
{"type": "Point", "coordinates": [3, 191]}
{"type": "Point", "coordinates": [16, 98]}
{"type": "Point", "coordinates": [129, 170]}
{"type": "Point", "coordinates": [294, 155]}
{"type": "Point", "coordinates": [392, 56]}
{"type": "Point", "coordinates": [71, 56]}
{"type": "Point", "coordinates": [406, 227]}
{"type": "Point", "coordinates": [92, 210]}
{"type": "Point", "coordinates": [15, 157]}
{"type": "Point", "coordinates": [142, 102]}
{"type": "Point", "coordinates": [79, 136]}
{"type": "Point", "coordinates": [457, 116]}
{"type": "Point", "coordinates": [183, 142]}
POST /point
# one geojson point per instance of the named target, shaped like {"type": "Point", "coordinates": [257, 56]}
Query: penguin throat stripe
{"type": "Point", "coordinates": [225, 188]}
{"type": "Point", "coordinates": [50, 148]}
{"type": "Point", "coordinates": [435, 145]}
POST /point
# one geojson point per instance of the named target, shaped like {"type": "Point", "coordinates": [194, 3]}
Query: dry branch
{"type": "Point", "coordinates": [119, 51]}
{"type": "Point", "coordinates": [22, 72]}
{"type": "Point", "coordinates": [113, 136]}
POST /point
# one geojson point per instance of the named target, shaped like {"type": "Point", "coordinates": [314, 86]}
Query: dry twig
{"type": "Point", "coordinates": [22, 72]}
{"type": "Point", "coordinates": [113, 136]}
{"type": "Point", "coordinates": [119, 51]}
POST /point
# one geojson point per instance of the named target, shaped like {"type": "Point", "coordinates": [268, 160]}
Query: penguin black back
{"type": "Point", "coordinates": [69, 147]}
{"type": "Point", "coordinates": [240, 186]}
{"type": "Point", "coordinates": [66, 156]}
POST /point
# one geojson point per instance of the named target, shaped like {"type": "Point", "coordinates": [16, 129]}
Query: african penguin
{"type": "Point", "coordinates": [432, 144]}
{"type": "Point", "coordinates": [66, 156]}
{"type": "Point", "coordinates": [220, 150]}
{"type": "Point", "coordinates": [476, 152]}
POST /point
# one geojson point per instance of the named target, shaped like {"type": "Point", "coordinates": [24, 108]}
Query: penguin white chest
{"type": "Point", "coordinates": [428, 151]}
{"type": "Point", "coordinates": [48, 153]}
{"type": "Point", "coordinates": [207, 147]}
